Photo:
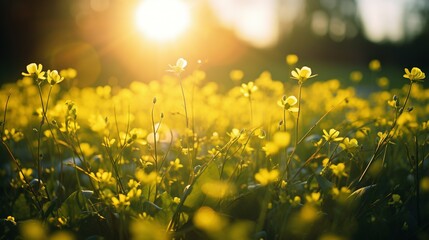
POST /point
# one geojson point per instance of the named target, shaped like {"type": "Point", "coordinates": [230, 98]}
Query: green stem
{"type": "Point", "coordinates": [189, 155]}
{"type": "Point", "coordinates": [417, 182]}
{"type": "Point", "coordinates": [251, 110]}
{"type": "Point", "coordinates": [390, 134]}
{"type": "Point", "coordinates": [298, 114]}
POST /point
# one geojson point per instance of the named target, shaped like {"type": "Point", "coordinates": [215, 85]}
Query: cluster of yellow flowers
{"type": "Point", "coordinates": [145, 151]}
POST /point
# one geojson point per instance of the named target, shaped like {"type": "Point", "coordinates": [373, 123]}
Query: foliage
{"type": "Point", "coordinates": [177, 158]}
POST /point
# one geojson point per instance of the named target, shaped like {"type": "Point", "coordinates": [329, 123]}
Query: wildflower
{"type": "Point", "coordinates": [238, 135]}
{"type": "Point", "coordinates": [381, 137]}
{"type": "Point", "coordinates": [349, 144]}
{"type": "Point", "coordinates": [176, 165]}
{"type": "Point", "coordinates": [248, 89]}
{"type": "Point", "coordinates": [394, 102]}
{"type": "Point", "coordinates": [283, 184]}
{"type": "Point", "coordinates": [313, 197]}
{"type": "Point", "coordinates": [341, 194]}
{"type": "Point", "coordinates": [339, 170]}
{"type": "Point", "coordinates": [416, 75]}
{"type": "Point", "coordinates": [264, 177]}
{"type": "Point", "coordinates": [133, 183]}
{"type": "Point", "coordinates": [217, 189]}
{"type": "Point", "coordinates": [207, 219]}
{"type": "Point", "coordinates": [291, 59]}
{"type": "Point", "coordinates": [35, 71]}
{"type": "Point", "coordinates": [176, 200]}
{"type": "Point", "coordinates": [121, 201]}
{"type": "Point", "coordinates": [308, 213]}
{"type": "Point", "coordinates": [69, 73]}
{"type": "Point", "coordinates": [236, 75]}
{"type": "Point", "coordinates": [54, 77]}
{"type": "Point", "coordinates": [134, 193]}
{"type": "Point", "coordinates": [325, 162]}
{"type": "Point", "coordinates": [104, 177]}
{"type": "Point", "coordinates": [13, 134]}
{"type": "Point", "coordinates": [214, 152]}
{"type": "Point", "coordinates": [143, 177]}
{"type": "Point", "coordinates": [374, 65]}
{"type": "Point", "coordinates": [332, 135]}
{"type": "Point", "coordinates": [395, 200]}
{"type": "Point", "coordinates": [25, 174]}
{"type": "Point", "coordinates": [260, 133]}
{"type": "Point", "coordinates": [11, 219]}
{"type": "Point", "coordinates": [179, 67]}
{"type": "Point", "coordinates": [281, 139]}
{"type": "Point", "coordinates": [295, 201]}
{"type": "Point", "coordinates": [271, 148]}
{"type": "Point", "coordinates": [302, 74]}
{"type": "Point", "coordinates": [287, 102]}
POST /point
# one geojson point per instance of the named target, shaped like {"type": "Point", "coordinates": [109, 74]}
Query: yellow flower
{"type": "Point", "coordinates": [121, 201]}
{"type": "Point", "coordinates": [281, 139]}
{"type": "Point", "coordinates": [176, 200]}
{"type": "Point", "coordinates": [295, 201]}
{"type": "Point", "coordinates": [238, 135]}
{"type": "Point", "coordinates": [339, 170]}
{"type": "Point", "coordinates": [35, 71]}
{"type": "Point", "coordinates": [374, 65]}
{"type": "Point", "coordinates": [264, 177]}
{"type": "Point", "coordinates": [396, 199]}
{"type": "Point", "coordinates": [25, 174]}
{"type": "Point", "coordinates": [291, 59]}
{"type": "Point", "coordinates": [332, 135]}
{"type": "Point", "coordinates": [341, 194]}
{"type": "Point", "coordinates": [313, 197]}
{"type": "Point", "coordinates": [146, 178]}
{"type": "Point", "coordinates": [54, 77]}
{"type": "Point", "coordinates": [69, 73]}
{"type": "Point", "coordinates": [179, 67]}
{"type": "Point", "coordinates": [349, 144]}
{"type": "Point", "coordinates": [248, 89]}
{"type": "Point", "coordinates": [416, 75]}
{"type": "Point", "coordinates": [218, 189]}
{"type": "Point", "coordinates": [205, 218]}
{"type": "Point", "coordinates": [271, 148]}
{"type": "Point", "coordinates": [11, 219]}
{"type": "Point", "coordinates": [176, 165]}
{"type": "Point", "coordinates": [236, 75]}
{"type": "Point", "coordinates": [302, 74]}
{"type": "Point", "coordinates": [287, 103]}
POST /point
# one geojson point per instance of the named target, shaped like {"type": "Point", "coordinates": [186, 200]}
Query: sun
{"type": "Point", "coordinates": [162, 20]}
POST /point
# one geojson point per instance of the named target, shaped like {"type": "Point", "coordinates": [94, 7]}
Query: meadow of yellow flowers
{"type": "Point", "coordinates": [177, 158]}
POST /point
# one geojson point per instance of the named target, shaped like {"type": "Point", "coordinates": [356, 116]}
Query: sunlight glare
{"type": "Point", "coordinates": [162, 20]}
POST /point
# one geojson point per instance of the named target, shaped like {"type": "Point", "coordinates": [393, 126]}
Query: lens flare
{"type": "Point", "coordinates": [162, 20]}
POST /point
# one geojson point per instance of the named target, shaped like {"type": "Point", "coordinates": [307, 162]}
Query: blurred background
{"type": "Point", "coordinates": [118, 41]}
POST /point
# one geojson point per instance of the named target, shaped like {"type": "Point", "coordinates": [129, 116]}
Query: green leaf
{"type": "Point", "coordinates": [75, 206]}
{"type": "Point", "coordinates": [193, 196]}
{"type": "Point", "coordinates": [324, 183]}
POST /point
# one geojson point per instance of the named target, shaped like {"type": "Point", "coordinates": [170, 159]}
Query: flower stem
{"type": "Point", "coordinates": [251, 111]}
{"type": "Point", "coordinates": [390, 132]}
{"type": "Point", "coordinates": [297, 117]}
